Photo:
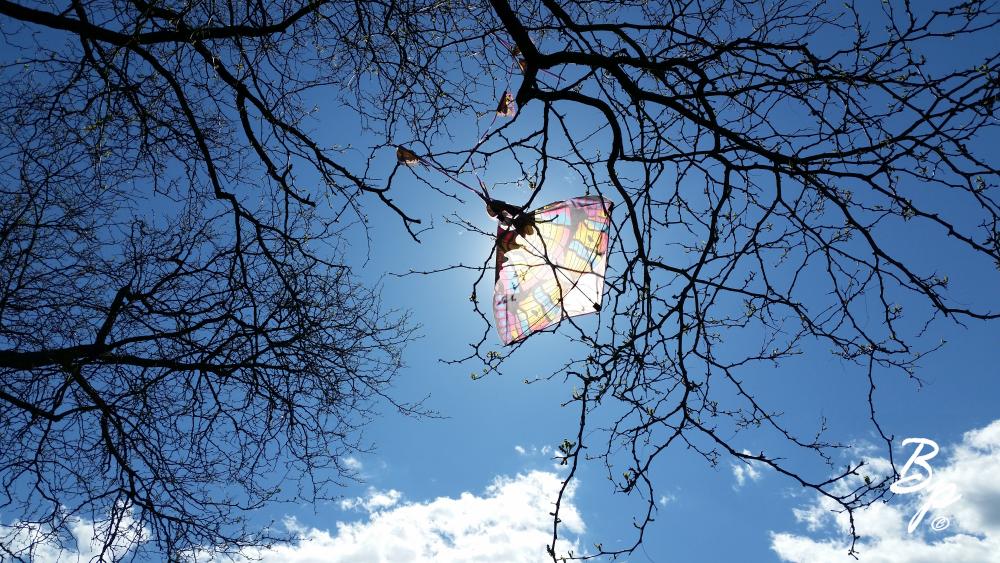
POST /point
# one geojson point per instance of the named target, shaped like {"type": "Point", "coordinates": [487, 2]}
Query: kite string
{"type": "Point", "coordinates": [510, 50]}
{"type": "Point", "coordinates": [481, 192]}
{"type": "Point", "coordinates": [510, 70]}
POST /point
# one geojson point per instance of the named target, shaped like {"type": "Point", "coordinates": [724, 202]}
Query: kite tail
{"type": "Point", "coordinates": [482, 193]}
{"type": "Point", "coordinates": [510, 49]}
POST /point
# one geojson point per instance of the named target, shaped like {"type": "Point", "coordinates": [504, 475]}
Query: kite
{"type": "Point", "coordinates": [550, 263]}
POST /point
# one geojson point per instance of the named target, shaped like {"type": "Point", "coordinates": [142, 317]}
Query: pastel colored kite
{"type": "Point", "coordinates": [550, 265]}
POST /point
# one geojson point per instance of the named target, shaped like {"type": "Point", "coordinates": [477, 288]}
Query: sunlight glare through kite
{"type": "Point", "coordinates": [550, 265]}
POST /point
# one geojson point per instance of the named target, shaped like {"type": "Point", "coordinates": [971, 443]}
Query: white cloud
{"type": "Point", "coordinates": [510, 522]}
{"type": "Point", "coordinates": [546, 452]}
{"type": "Point", "coordinates": [972, 535]}
{"type": "Point", "coordinates": [374, 501]}
{"type": "Point", "coordinates": [535, 450]}
{"type": "Point", "coordinates": [744, 470]}
{"type": "Point", "coordinates": [353, 463]}
{"type": "Point", "coordinates": [666, 499]}
{"type": "Point", "coordinates": [38, 544]}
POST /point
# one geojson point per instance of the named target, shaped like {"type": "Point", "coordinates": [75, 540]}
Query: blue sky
{"type": "Point", "coordinates": [707, 515]}
{"type": "Point", "coordinates": [488, 461]}
{"type": "Point", "coordinates": [500, 427]}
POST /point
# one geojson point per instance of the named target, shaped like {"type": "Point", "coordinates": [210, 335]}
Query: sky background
{"type": "Point", "coordinates": [476, 484]}
{"type": "Point", "coordinates": [499, 430]}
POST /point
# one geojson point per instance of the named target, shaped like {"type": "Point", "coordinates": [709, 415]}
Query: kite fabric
{"type": "Point", "coordinates": [550, 266]}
